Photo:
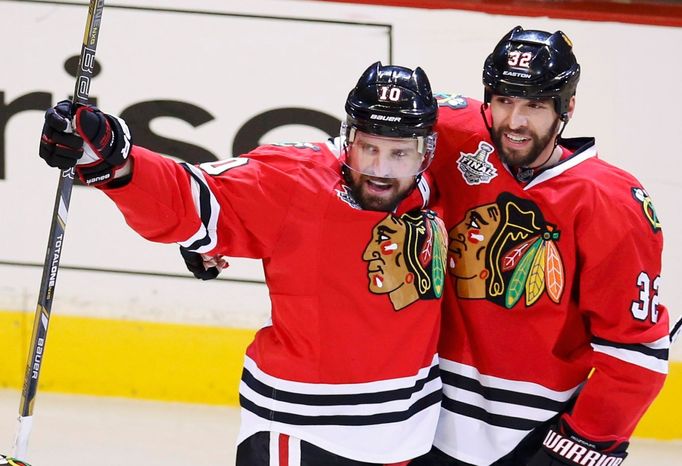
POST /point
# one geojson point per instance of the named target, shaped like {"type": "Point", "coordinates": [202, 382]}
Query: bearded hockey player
{"type": "Point", "coordinates": [554, 342]}
{"type": "Point", "coordinates": [346, 371]}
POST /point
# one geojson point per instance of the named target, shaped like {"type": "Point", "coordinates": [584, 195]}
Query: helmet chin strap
{"type": "Point", "coordinates": [484, 107]}
{"type": "Point", "coordinates": [564, 121]}
{"type": "Point", "coordinates": [524, 174]}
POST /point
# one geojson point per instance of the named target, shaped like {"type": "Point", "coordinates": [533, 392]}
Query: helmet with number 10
{"type": "Point", "coordinates": [390, 103]}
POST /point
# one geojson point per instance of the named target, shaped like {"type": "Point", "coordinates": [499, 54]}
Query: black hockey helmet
{"type": "Point", "coordinates": [533, 65]}
{"type": "Point", "coordinates": [395, 102]}
{"type": "Point", "coordinates": [392, 101]}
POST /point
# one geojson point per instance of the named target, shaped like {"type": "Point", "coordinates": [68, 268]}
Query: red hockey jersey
{"type": "Point", "coordinates": [547, 280]}
{"type": "Point", "coordinates": [348, 361]}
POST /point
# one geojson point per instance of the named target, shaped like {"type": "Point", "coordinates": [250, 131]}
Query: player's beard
{"type": "Point", "coordinates": [526, 157]}
{"type": "Point", "coordinates": [373, 193]}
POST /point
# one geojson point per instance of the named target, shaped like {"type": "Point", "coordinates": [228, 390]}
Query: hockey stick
{"type": "Point", "coordinates": [676, 330]}
{"type": "Point", "coordinates": [84, 74]}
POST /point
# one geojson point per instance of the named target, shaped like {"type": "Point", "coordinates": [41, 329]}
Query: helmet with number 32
{"type": "Point", "coordinates": [533, 65]}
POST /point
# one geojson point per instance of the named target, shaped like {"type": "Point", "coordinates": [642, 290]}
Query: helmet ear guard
{"type": "Point", "coordinates": [533, 65]}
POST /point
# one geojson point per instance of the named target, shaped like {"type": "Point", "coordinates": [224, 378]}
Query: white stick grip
{"type": "Point", "coordinates": [21, 442]}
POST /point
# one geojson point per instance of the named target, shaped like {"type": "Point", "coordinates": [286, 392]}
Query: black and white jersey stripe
{"type": "Point", "coordinates": [579, 157]}
{"type": "Point", "coordinates": [359, 420]}
{"type": "Point", "coordinates": [675, 330]}
{"type": "Point", "coordinates": [492, 414]}
{"type": "Point", "coordinates": [652, 356]}
{"type": "Point", "coordinates": [425, 190]}
{"type": "Point", "coordinates": [208, 209]}
{"type": "Point", "coordinates": [334, 146]}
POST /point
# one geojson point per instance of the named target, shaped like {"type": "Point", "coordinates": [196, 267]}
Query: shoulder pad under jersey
{"type": "Point", "coordinates": [451, 100]}
{"type": "Point", "coordinates": [299, 145]}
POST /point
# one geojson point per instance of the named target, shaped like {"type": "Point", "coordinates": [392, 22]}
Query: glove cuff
{"type": "Point", "coordinates": [570, 448]}
{"type": "Point", "coordinates": [121, 141]}
{"type": "Point", "coordinates": [100, 173]}
{"type": "Point", "coordinates": [195, 264]}
{"type": "Point", "coordinates": [105, 152]}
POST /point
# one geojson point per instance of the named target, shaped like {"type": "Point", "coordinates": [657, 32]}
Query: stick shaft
{"type": "Point", "coordinates": [55, 242]}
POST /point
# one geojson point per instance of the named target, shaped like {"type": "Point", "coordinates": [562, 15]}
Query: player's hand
{"type": "Point", "coordinates": [563, 446]}
{"type": "Point", "coordinates": [202, 266]}
{"type": "Point", "coordinates": [9, 461]}
{"type": "Point", "coordinates": [96, 143]}
{"type": "Point", "coordinates": [59, 146]}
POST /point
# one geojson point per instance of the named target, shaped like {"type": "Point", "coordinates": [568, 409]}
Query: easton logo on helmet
{"type": "Point", "coordinates": [515, 74]}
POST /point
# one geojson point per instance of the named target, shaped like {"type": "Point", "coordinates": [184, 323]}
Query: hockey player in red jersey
{"type": "Point", "coordinates": [346, 372]}
{"type": "Point", "coordinates": [553, 342]}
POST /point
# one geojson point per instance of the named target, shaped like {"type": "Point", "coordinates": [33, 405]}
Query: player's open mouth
{"type": "Point", "coordinates": [378, 185]}
{"type": "Point", "coordinates": [516, 138]}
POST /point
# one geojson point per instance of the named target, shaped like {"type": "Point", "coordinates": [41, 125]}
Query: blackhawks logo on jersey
{"type": "Point", "coordinates": [406, 257]}
{"type": "Point", "coordinates": [647, 204]}
{"type": "Point", "coordinates": [505, 251]}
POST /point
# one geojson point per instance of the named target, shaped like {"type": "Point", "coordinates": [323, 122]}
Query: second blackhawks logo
{"type": "Point", "coordinates": [505, 251]}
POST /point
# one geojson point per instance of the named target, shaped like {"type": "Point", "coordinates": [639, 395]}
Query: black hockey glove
{"type": "Point", "coordinates": [202, 266]}
{"type": "Point", "coordinates": [562, 446]}
{"type": "Point", "coordinates": [98, 147]}
{"type": "Point", "coordinates": [8, 461]}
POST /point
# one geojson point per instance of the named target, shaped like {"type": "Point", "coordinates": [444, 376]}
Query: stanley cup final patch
{"type": "Point", "coordinates": [347, 196]}
{"type": "Point", "coordinates": [475, 168]}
